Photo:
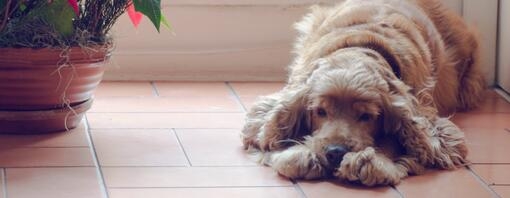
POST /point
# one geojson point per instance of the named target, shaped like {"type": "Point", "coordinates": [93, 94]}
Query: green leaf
{"type": "Point", "coordinates": [22, 7]}
{"type": "Point", "coordinates": [2, 6]}
{"type": "Point", "coordinates": [165, 22]}
{"type": "Point", "coordinates": [60, 15]}
{"type": "Point", "coordinates": [151, 9]}
{"type": "Point", "coordinates": [57, 13]}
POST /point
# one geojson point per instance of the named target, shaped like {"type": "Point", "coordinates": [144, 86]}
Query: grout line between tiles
{"type": "Point", "coordinates": [395, 189]}
{"type": "Point", "coordinates": [174, 112]}
{"type": "Point", "coordinates": [45, 147]}
{"type": "Point", "coordinates": [154, 88]}
{"type": "Point", "coordinates": [167, 112]}
{"type": "Point", "coordinates": [238, 99]}
{"type": "Point", "coordinates": [50, 166]}
{"type": "Point", "coordinates": [482, 182]}
{"type": "Point", "coordinates": [489, 163]}
{"type": "Point", "coordinates": [144, 166]}
{"type": "Point", "coordinates": [154, 128]}
{"type": "Point", "coordinates": [505, 95]}
{"type": "Point", "coordinates": [500, 185]}
{"type": "Point", "coordinates": [226, 166]}
{"type": "Point", "coordinates": [174, 187]}
{"type": "Point", "coordinates": [482, 113]}
{"type": "Point", "coordinates": [4, 182]}
{"type": "Point", "coordinates": [177, 166]}
{"type": "Point", "coordinates": [181, 146]}
{"type": "Point", "coordinates": [99, 172]}
{"type": "Point", "coordinates": [148, 130]}
{"type": "Point", "coordinates": [298, 188]}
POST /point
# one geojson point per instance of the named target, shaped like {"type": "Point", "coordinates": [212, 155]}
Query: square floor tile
{"type": "Point", "coordinates": [77, 182]}
{"type": "Point", "coordinates": [44, 157]}
{"type": "Point", "coordinates": [488, 145]}
{"type": "Point", "coordinates": [249, 93]}
{"type": "Point", "coordinates": [165, 120]}
{"type": "Point", "coordinates": [498, 174]}
{"type": "Point", "coordinates": [255, 89]}
{"type": "Point", "coordinates": [482, 120]}
{"type": "Point", "coordinates": [493, 103]}
{"type": "Point", "coordinates": [503, 191]}
{"type": "Point", "coordinates": [447, 184]}
{"type": "Point", "coordinates": [138, 147]}
{"type": "Point", "coordinates": [165, 104]}
{"type": "Point", "coordinates": [73, 138]}
{"type": "Point", "coordinates": [125, 89]}
{"type": "Point", "coordinates": [160, 177]}
{"type": "Point", "coordinates": [254, 192]}
{"type": "Point", "coordinates": [248, 102]}
{"type": "Point", "coordinates": [220, 147]}
{"type": "Point", "coordinates": [333, 189]}
{"type": "Point", "coordinates": [193, 89]}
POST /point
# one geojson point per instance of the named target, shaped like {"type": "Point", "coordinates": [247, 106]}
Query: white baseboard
{"type": "Point", "coordinates": [232, 40]}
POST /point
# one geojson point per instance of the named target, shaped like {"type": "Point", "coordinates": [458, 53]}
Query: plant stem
{"type": "Point", "coordinates": [6, 15]}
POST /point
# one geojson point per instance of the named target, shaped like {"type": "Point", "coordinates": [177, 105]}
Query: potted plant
{"type": "Point", "coordinates": [52, 57]}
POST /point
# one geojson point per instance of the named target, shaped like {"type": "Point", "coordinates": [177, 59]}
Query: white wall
{"type": "Point", "coordinates": [483, 15]}
{"type": "Point", "coordinates": [239, 40]}
{"type": "Point", "coordinates": [504, 46]}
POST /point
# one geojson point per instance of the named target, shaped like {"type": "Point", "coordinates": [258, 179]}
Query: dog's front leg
{"type": "Point", "coordinates": [297, 162]}
{"type": "Point", "coordinates": [371, 168]}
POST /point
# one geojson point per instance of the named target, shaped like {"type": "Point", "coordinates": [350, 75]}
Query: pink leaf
{"type": "Point", "coordinates": [74, 4]}
{"type": "Point", "coordinates": [135, 16]}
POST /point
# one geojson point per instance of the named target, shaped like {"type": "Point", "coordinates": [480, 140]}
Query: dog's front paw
{"type": "Point", "coordinates": [368, 168]}
{"type": "Point", "coordinates": [297, 162]}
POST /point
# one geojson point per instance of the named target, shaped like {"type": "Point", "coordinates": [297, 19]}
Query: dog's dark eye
{"type": "Point", "coordinates": [365, 117]}
{"type": "Point", "coordinates": [321, 112]}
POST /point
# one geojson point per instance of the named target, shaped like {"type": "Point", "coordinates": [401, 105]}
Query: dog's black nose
{"type": "Point", "coordinates": [334, 154]}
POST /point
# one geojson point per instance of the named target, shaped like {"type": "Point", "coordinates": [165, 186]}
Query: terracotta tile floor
{"type": "Point", "coordinates": [159, 140]}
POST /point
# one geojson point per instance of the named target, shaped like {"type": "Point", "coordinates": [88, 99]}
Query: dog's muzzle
{"type": "Point", "coordinates": [334, 154]}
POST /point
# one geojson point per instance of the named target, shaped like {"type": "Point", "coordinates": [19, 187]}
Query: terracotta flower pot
{"type": "Point", "coordinates": [48, 80]}
{"type": "Point", "coordinates": [42, 121]}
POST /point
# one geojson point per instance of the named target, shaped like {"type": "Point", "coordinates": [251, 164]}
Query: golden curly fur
{"type": "Point", "coordinates": [366, 92]}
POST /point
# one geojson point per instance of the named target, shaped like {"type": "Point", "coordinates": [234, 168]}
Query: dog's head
{"type": "Point", "coordinates": [348, 103]}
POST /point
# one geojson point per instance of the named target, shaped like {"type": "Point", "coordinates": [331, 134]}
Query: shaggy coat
{"type": "Point", "coordinates": [366, 94]}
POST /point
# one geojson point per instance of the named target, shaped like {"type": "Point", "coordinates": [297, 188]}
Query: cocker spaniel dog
{"type": "Point", "coordinates": [367, 94]}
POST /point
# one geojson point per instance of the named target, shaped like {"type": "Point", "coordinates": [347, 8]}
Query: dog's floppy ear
{"type": "Point", "coordinates": [413, 118]}
{"type": "Point", "coordinates": [289, 119]}
{"type": "Point", "coordinates": [410, 118]}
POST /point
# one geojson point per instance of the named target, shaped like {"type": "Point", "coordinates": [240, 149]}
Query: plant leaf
{"type": "Point", "coordinates": [165, 22]}
{"type": "Point", "coordinates": [2, 5]}
{"type": "Point", "coordinates": [135, 16]}
{"type": "Point", "coordinates": [59, 14]}
{"type": "Point", "coordinates": [22, 7]}
{"type": "Point", "coordinates": [151, 9]}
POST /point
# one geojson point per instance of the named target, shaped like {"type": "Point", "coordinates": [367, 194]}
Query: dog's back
{"type": "Point", "coordinates": [432, 47]}
{"type": "Point", "coordinates": [462, 49]}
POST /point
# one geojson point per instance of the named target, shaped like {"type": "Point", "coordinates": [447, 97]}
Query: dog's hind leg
{"type": "Point", "coordinates": [472, 84]}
